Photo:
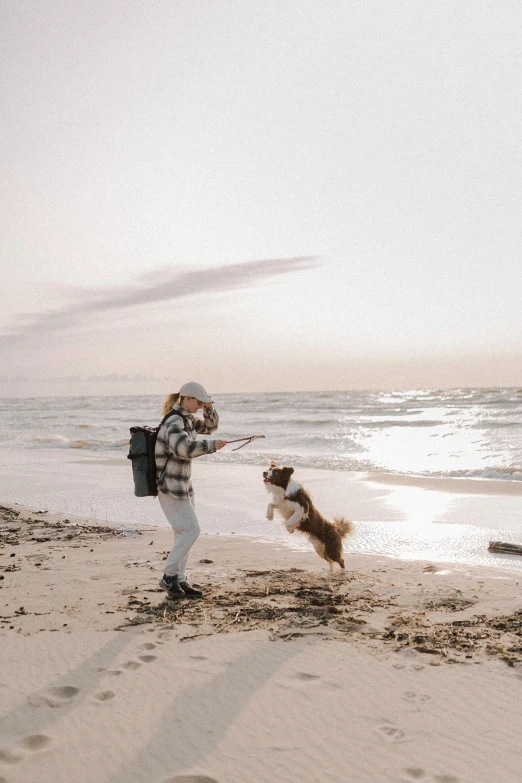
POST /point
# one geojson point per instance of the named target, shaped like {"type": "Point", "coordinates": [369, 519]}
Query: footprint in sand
{"type": "Point", "coordinates": [417, 773]}
{"type": "Point", "coordinates": [191, 779]}
{"type": "Point", "coordinates": [413, 697]}
{"type": "Point", "coordinates": [148, 658]}
{"type": "Point", "coordinates": [32, 743]}
{"type": "Point", "coordinates": [65, 691]}
{"type": "Point", "coordinates": [54, 697]}
{"type": "Point", "coordinates": [306, 677]}
{"type": "Point", "coordinates": [35, 742]}
{"type": "Point", "coordinates": [131, 665]}
{"type": "Point", "coordinates": [301, 679]}
{"type": "Point", "coordinates": [6, 757]}
{"type": "Point", "coordinates": [148, 646]}
{"type": "Point", "coordinates": [392, 734]}
{"type": "Point", "coordinates": [104, 695]}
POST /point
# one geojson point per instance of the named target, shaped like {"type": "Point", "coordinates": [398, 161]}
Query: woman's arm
{"type": "Point", "coordinates": [183, 447]}
{"type": "Point", "coordinates": [208, 424]}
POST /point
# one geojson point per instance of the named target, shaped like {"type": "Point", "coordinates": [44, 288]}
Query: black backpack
{"type": "Point", "coordinates": [141, 453]}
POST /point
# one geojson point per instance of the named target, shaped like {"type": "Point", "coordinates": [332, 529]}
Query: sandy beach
{"type": "Point", "coordinates": [260, 233]}
{"type": "Point", "coordinates": [402, 671]}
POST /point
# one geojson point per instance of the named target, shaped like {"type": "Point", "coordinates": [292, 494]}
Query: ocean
{"type": "Point", "coordinates": [379, 458]}
{"type": "Point", "coordinates": [473, 433]}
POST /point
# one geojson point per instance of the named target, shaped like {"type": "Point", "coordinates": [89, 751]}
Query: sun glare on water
{"type": "Point", "coordinates": [433, 449]}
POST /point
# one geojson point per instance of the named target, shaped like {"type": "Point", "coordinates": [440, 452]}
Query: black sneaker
{"type": "Point", "coordinates": [189, 591]}
{"type": "Point", "coordinates": [171, 585]}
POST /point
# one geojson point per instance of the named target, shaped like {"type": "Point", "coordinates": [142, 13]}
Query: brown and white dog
{"type": "Point", "coordinates": [296, 507]}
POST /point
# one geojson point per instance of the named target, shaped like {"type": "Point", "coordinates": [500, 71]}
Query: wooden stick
{"type": "Point", "coordinates": [249, 439]}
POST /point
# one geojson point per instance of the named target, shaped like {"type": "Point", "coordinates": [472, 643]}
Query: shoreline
{"type": "Point", "coordinates": [451, 484]}
{"type": "Point", "coordinates": [401, 662]}
{"type": "Point", "coordinates": [406, 520]}
{"type": "Point", "coordinates": [454, 484]}
{"type": "Point", "coordinates": [37, 540]}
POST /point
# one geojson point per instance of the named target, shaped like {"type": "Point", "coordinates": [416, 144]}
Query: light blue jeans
{"type": "Point", "coordinates": [182, 518]}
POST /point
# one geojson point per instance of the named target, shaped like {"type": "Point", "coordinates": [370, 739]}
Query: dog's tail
{"type": "Point", "coordinates": [343, 526]}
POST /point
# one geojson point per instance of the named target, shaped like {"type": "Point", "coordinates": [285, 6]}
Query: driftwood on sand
{"type": "Point", "coordinates": [506, 548]}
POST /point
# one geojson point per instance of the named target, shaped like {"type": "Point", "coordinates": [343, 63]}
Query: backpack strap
{"type": "Point", "coordinates": [164, 419]}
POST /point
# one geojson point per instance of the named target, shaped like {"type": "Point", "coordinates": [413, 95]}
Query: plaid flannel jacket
{"type": "Point", "coordinates": [177, 438]}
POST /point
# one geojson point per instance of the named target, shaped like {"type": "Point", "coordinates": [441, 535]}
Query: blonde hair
{"type": "Point", "coordinates": [169, 401]}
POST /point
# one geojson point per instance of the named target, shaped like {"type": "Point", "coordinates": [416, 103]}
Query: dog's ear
{"type": "Point", "coordinates": [288, 470]}
{"type": "Point", "coordinates": [272, 464]}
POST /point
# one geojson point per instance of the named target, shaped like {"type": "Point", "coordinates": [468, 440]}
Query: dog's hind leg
{"type": "Point", "coordinates": [319, 547]}
{"type": "Point", "coordinates": [341, 574]}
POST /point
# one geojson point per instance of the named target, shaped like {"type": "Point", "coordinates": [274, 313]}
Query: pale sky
{"type": "Point", "coordinates": [259, 195]}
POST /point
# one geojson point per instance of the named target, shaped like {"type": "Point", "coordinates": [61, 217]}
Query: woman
{"type": "Point", "coordinates": [176, 446]}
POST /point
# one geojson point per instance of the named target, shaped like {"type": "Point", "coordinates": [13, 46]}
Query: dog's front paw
{"type": "Point", "coordinates": [291, 528]}
{"type": "Point", "coordinates": [270, 516]}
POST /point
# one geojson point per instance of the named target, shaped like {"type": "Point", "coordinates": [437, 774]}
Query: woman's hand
{"type": "Point", "coordinates": [220, 444]}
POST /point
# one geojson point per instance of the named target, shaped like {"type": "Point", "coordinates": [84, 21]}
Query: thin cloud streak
{"type": "Point", "coordinates": [166, 287]}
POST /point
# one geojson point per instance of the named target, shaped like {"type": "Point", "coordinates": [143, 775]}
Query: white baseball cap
{"type": "Point", "coordinates": [193, 389]}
